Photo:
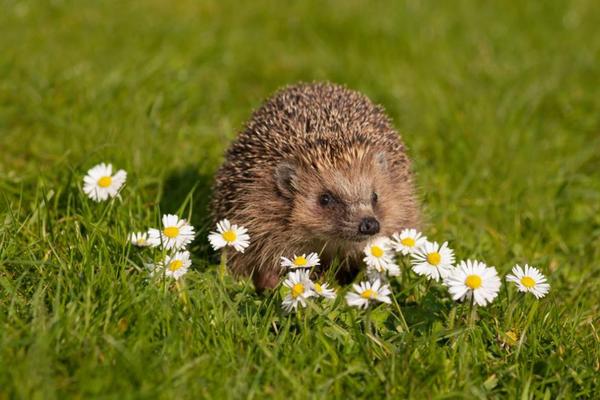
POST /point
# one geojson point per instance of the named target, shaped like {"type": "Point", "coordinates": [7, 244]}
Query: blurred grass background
{"type": "Point", "coordinates": [497, 101]}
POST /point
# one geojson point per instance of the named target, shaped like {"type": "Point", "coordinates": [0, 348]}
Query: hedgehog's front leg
{"type": "Point", "coordinates": [265, 279]}
{"type": "Point", "coordinates": [265, 273]}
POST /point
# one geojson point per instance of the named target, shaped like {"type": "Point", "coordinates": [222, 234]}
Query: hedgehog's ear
{"type": "Point", "coordinates": [284, 178]}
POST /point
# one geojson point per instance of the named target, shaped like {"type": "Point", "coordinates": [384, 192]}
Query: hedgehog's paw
{"type": "Point", "coordinates": [265, 279]}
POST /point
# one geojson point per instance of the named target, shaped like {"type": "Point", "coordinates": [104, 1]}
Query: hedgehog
{"type": "Point", "coordinates": [318, 167]}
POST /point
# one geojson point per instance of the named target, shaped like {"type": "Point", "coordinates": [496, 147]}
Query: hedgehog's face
{"type": "Point", "coordinates": [347, 204]}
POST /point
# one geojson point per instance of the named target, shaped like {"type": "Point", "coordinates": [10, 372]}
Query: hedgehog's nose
{"type": "Point", "coordinates": [368, 226]}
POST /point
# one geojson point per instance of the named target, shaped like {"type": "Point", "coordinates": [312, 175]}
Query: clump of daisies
{"type": "Point", "coordinates": [300, 288]}
{"type": "Point", "coordinates": [172, 239]}
{"type": "Point", "coordinates": [100, 184]}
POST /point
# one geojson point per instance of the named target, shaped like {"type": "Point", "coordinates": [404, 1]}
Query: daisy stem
{"type": "Point", "coordinates": [182, 293]}
{"type": "Point", "coordinates": [401, 314]}
{"type": "Point", "coordinates": [368, 329]}
{"type": "Point", "coordinates": [472, 313]}
{"type": "Point", "coordinates": [223, 265]}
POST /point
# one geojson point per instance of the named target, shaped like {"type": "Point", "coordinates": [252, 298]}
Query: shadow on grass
{"type": "Point", "coordinates": [421, 316]}
{"type": "Point", "coordinates": [177, 187]}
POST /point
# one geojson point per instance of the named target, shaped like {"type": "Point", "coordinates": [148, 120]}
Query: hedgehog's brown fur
{"type": "Point", "coordinates": [307, 137]}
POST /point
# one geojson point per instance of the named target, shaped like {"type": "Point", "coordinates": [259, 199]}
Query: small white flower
{"type": "Point", "coordinates": [139, 239]}
{"type": "Point", "coordinates": [100, 184]}
{"type": "Point", "coordinates": [366, 291]}
{"type": "Point", "coordinates": [176, 233]}
{"type": "Point", "coordinates": [301, 288]}
{"type": "Point", "coordinates": [323, 290]}
{"type": "Point", "coordinates": [373, 275]}
{"type": "Point", "coordinates": [177, 265]}
{"type": "Point", "coordinates": [152, 268]}
{"type": "Point", "coordinates": [473, 279]}
{"type": "Point", "coordinates": [529, 279]}
{"type": "Point", "coordinates": [433, 260]}
{"type": "Point", "coordinates": [302, 261]}
{"type": "Point", "coordinates": [229, 235]}
{"type": "Point", "coordinates": [408, 241]}
{"type": "Point", "coordinates": [379, 255]}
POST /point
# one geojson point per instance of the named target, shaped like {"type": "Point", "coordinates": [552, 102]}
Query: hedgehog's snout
{"type": "Point", "coordinates": [368, 226]}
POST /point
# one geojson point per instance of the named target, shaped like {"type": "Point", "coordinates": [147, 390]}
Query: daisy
{"type": "Point", "coordinates": [366, 292]}
{"type": "Point", "coordinates": [229, 235]}
{"type": "Point", "coordinates": [300, 289]}
{"type": "Point", "coordinates": [302, 261]}
{"type": "Point", "coordinates": [139, 239]}
{"type": "Point", "coordinates": [379, 256]}
{"type": "Point", "coordinates": [433, 260]}
{"type": "Point", "coordinates": [373, 274]}
{"type": "Point", "coordinates": [473, 279]}
{"type": "Point", "coordinates": [100, 184]}
{"type": "Point", "coordinates": [323, 290]}
{"type": "Point", "coordinates": [176, 233]}
{"type": "Point", "coordinates": [152, 268]}
{"type": "Point", "coordinates": [529, 279]}
{"type": "Point", "coordinates": [408, 241]}
{"type": "Point", "coordinates": [177, 265]}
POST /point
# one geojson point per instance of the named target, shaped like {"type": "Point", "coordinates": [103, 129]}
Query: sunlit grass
{"type": "Point", "coordinates": [498, 106]}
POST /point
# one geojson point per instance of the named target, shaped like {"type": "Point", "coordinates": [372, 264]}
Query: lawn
{"type": "Point", "coordinates": [498, 105]}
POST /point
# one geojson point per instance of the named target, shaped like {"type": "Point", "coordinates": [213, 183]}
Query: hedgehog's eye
{"type": "Point", "coordinates": [325, 199]}
{"type": "Point", "coordinates": [374, 198]}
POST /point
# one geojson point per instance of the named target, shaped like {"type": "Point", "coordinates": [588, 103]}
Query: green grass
{"type": "Point", "coordinates": [498, 105]}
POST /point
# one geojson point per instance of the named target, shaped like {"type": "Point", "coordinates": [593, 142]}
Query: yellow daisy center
{"type": "Point", "coordinates": [434, 258]}
{"type": "Point", "coordinates": [297, 290]}
{"type": "Point", "coordinates": [408, 242]}
{"type": "Point", "coordinates": [105, 181]}
{"type": "Point", "coordinates": [141, 241]}
{"type": "Point", "coordinates": [473, 281]}
{"type": "Point", "coordinates": [376, 251]}
{"type": "Point", "coordinates": [171, 232]}
{"type": "Point", "coordinates": [175, 265]}
{"type": "Point", "coordinates": [300, 261]}
{"type": "Point", "coordinates": [318, 288]}
{"type": "Point", "coordinates": [229, 236]}
{"type": "Point", "coordinates": [368, 294]}
{"type": "Point", "coordinates": [527, 282]}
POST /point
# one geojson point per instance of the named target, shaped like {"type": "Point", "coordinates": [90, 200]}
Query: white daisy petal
{"type": "Point", "coordinates": [139, 239]}
{"type": "Point", "coordinates": [301, 288]}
